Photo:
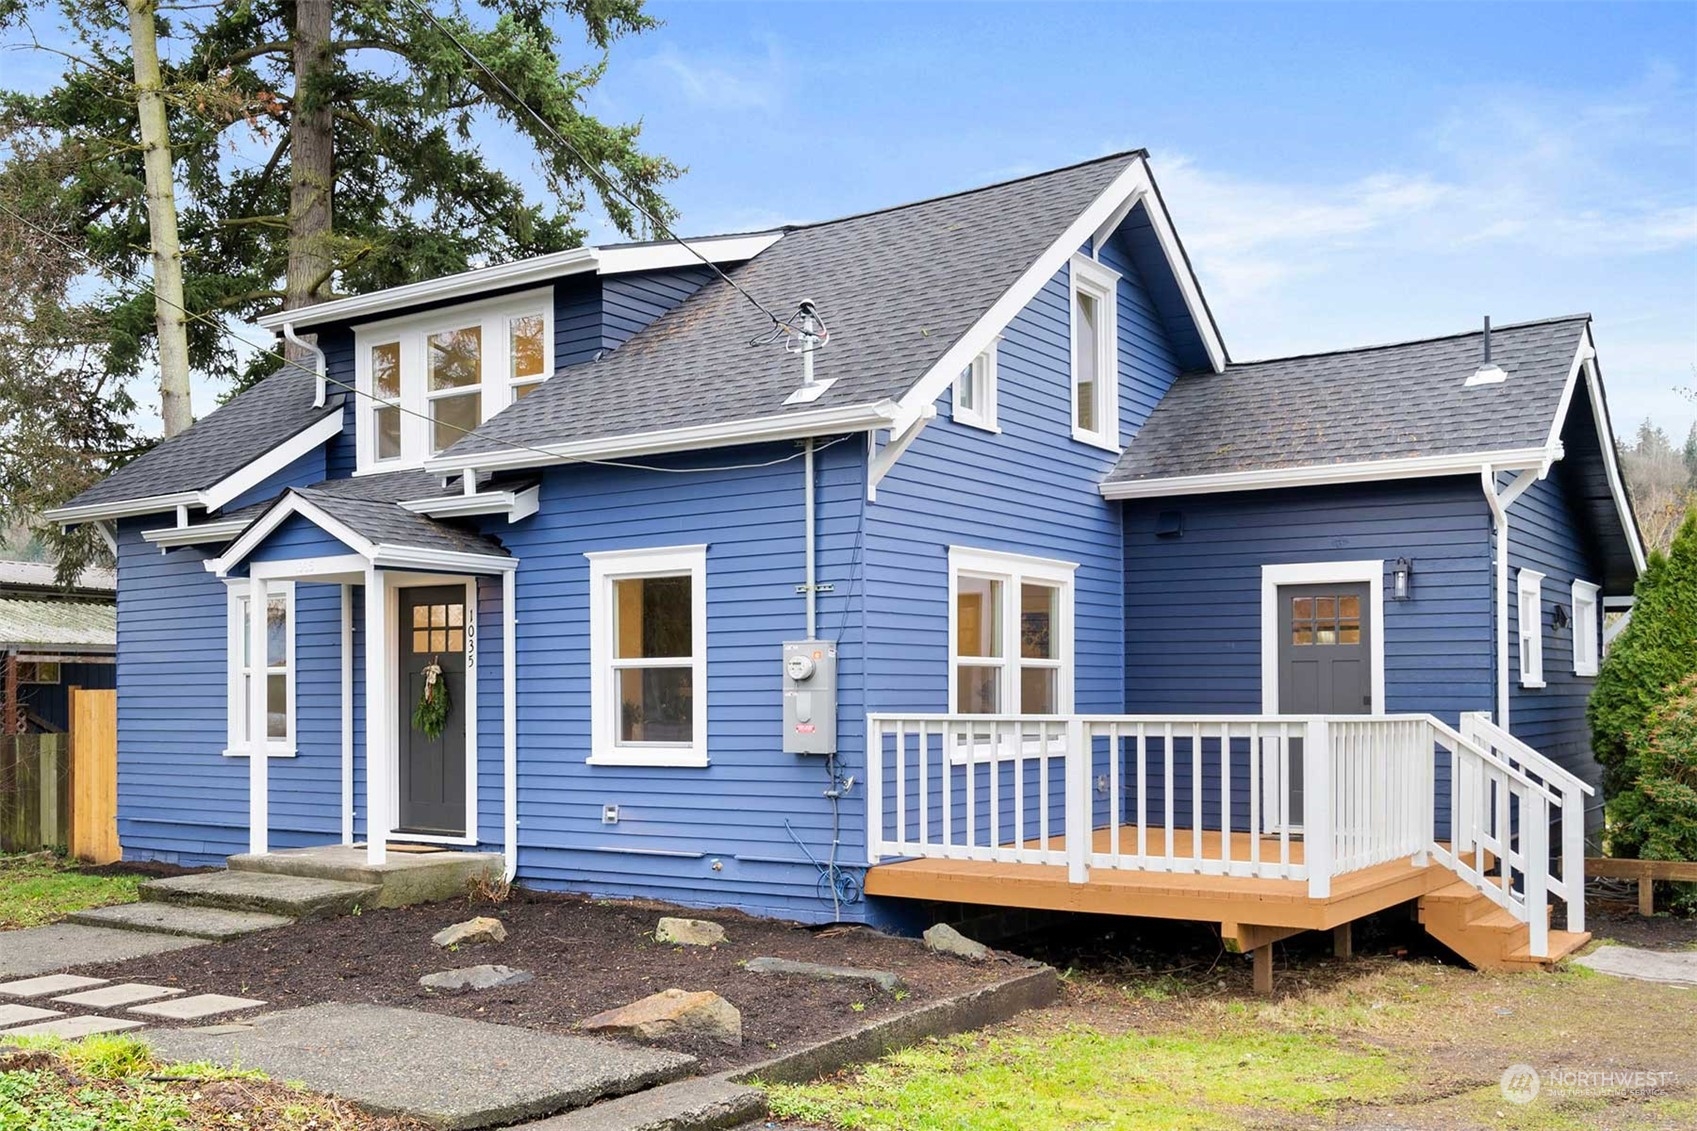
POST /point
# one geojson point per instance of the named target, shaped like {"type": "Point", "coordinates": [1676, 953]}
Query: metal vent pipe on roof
{"type": "Point", "coordinates": [1488, 373]}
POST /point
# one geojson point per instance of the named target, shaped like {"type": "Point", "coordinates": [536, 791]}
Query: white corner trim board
{"type": "Point", "coordinates": [1321, 573]}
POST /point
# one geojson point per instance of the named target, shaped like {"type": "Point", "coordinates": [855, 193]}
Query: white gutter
{"type": "Point", "coordinates": [1324, 474]}
{"type": "Point", "coordinates": [125, 508]}
{"type": "Point", "coordinates": [786, 426]}
{"type": "Point", "coordinates": [319, 366]}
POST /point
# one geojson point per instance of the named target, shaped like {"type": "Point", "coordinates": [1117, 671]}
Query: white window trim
{"type": "Point", "coordinates": [1099, 282]}
{"type": "Point", "coordinates": [1587, 627]}
{"type": "Point", "coordinates": [236, 745]}
{"type": "Point", "coordinates": [494, 316]}
{"type": "Point", "coordinates": [983, 371]}
{"type": "Point", "coordinates": [606, 567]}
{"type": "Point", "coordinates": [1013, 570]}
{"type": "Point", "coordinates": [1529, 584]}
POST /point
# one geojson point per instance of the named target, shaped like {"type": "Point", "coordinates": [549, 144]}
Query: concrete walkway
{"type": "Point", "coordinates": [41, 950]}
{"type": "Point", "coordinates": [1677, 967]}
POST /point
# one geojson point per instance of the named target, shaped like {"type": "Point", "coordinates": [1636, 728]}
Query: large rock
{"type": "Point", "coordinates": [672, 1012]}
{"type": "Point", "coordinates": [484, 977]}
{"type": "Point", "coordinates": [480, 929]}
{"type": "Point", "coordinates": [883, 979]}
{"type": "Point", "coordinates": [944, 939]}
{"type": "Point", "coordinates": [689, 932]}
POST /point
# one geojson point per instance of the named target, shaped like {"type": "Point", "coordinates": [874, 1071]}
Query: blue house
{"type": "Point", "coordinates": [984, 577]}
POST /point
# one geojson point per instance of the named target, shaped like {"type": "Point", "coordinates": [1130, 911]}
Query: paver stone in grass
{"type": "Point", "coordinates": [688, 932]}
{"type": "Point", "coordinates": [478, 930]}
{"type": "Point", "coordinates": [48, 984]}
{"type": "Point", "coordinates": [14, 1014]}
{"type": "Point", "coordinates": [70, 1028]}
{"type": "Point", "coordinates": [484, 977]}
{"type": "Point", "coordinates": [703, 1013]}
{"type": "Point", "coordinates": [197, 1006]}
{"type": "Point", "coordinates": [111, 997]}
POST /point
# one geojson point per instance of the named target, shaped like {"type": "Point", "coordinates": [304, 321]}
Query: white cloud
{"type": "Point", "coordinates": [756, 81]}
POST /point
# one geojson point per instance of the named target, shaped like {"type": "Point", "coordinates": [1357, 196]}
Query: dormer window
{"type": "Point", "coordinates": [1095, 355]}
{"type": "Point", "coordinates": [426, 380]}
{"type": "Point", "coordinates": [975, 392]}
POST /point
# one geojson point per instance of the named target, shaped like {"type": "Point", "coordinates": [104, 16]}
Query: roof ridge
{"type": "Point", "coordinates": [1411, 341]}
{"type": "Point", "coordinates": [1122, 154]}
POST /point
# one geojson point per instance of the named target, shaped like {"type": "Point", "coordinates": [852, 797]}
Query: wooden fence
{"type": "Point", "coordinates": [61, 790]}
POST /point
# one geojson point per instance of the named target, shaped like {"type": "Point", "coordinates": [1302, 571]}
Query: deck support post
{"type": "Point", "coordinates": [258, 717]}
{"type": "Point", "coordinates": [1264, 969]}
{"type": "Point", "coordinates": [1343, 940]}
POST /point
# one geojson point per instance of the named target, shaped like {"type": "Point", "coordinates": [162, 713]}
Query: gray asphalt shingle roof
{"type": "Point", "coordinates": [393, 525]}
{"type": "Point", "coordinates": [218, 444]}
{"type": "Point", "coordinates": [896, 288]}
{"type": "Point", "coordinates": [1384, 402]}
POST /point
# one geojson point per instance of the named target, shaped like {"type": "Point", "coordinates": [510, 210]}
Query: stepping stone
{"type": "Point", "coordinates": [883, 979]}
{"type": "Point", "coordinates": [195, 1007]}
{"type": "Point", "coordinates": [70, 1028]}
{"type": "Point", "coordinates": [42, 950]}
{"type": "Point", "coordinates": [710, 1101]}
{"type": "Point", "coordinates": [448, 1072]}
{"type": "Point", "coordinates": [476, 978]}
{"type": "Point", "coordinates": [294, 897]}
{"type": "Point", "coordinates": [211, 923]}
{"type": "Point", "coordinates": [11, 1014]}
{"type": "Point", "coordinates": [111, 997]}
{"type": "Point", "coordinates": [1676, 967]}
{"type": "Point", "coordinates": [50, 984]}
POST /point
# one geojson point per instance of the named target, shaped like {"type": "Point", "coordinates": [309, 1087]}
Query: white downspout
{"type": "Point", "coordinates": [319, 364]}
{"type": "Point", "coordinates": [1499, 502]}
{"type": "Point", "coordinates": [509, 723]}
{"type": "Point", "coordinates": [807, 520]}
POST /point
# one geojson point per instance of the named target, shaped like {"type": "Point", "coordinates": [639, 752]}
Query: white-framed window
{"type": "Point", "coordinates": [1587, 627]}
{"type": "Point", "coordinates": [648, 657]}
{"type": "Point", "coordinates": [1531, 610]}
{"type": "Point", "coordinates": [1010, 634]}
{"type": "Point", "coordinates": [426, 380]}
{"type": "Point", "coordinates": [273, 661]}
{"type": "Point", "coordinates": [975, 392]}
{"type": "Point", "coordinates": [1095, 354]}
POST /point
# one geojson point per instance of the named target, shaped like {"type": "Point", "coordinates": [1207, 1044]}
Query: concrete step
{"type": "Point", "coordinates": [212, 923]}
{"type": "Point", "coordinates": [294, 897]}
{"type": "Point", "coordinates": [709, 1103]}
{"type": "Point", "coordinates": [404, 878]}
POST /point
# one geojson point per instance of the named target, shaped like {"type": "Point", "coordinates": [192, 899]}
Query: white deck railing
{"type": "Point", "coordinates": [1304, 798]}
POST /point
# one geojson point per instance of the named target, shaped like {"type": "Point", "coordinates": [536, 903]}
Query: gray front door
{"type": "Point", "coordinates": [432, 779]}
{"type": "Point", "coordinates": [1325, 662]}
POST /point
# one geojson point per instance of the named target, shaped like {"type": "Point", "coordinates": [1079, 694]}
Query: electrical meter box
{"type": "Point", "coordinates": [810, 697]}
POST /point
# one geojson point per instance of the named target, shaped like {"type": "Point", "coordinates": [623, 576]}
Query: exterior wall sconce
{"type": "Point", "coordinates": [1402, 579]}
{"type": "Point", "coordinates": [1559, 618]}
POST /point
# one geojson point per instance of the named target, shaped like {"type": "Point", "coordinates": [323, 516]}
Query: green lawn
{"type": "Point", "coordinates": [42, 888]}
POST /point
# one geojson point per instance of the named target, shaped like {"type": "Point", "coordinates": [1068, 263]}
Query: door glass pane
{"type": "Point", "coordinates": [527, 346]}
{"type": "Point", "coordinates": [652, 617]}
{"type": "Point", "coordinates": [277, 706]}
{"type": "Point", "coordinates": [438, 616]}
{"type": "Point", "coordinates": [386, 371]}
{"type": "Point", "coordinates": [1084, 352]}
{"type": "Point", "coordinates": [456, 640]}
{"type": "Point", "coordinates": [388, 432]}
{"type": "Point", "coordinates": [454, 417]}
{"type": "Point", "coordinates": [1037, 614]}
{"type": "Point", "coordinates": [978, 617]}
{"type": "Point", "coordinates": [656, 705]}
{"type": "Point", "coordinates": [420, 642]}
{"type": "Point", "coordinates": [456, 358]}
{"type": "Point", "coordinates": [1037, 691]}
{"type": "Point", "coordinates": [979, 690]}
{"type": "Point", "coordinates": [438, 640]}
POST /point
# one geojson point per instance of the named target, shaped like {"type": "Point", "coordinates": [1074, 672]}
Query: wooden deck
{"type": "Point", "coordinates": [1248, 909]}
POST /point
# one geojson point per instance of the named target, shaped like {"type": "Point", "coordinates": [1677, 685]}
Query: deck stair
{"type": "Point", "coordinates": [1487, 936]}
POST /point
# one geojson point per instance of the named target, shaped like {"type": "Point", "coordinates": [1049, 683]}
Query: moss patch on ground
{"type": "Point", "coordinates": [43, 888]}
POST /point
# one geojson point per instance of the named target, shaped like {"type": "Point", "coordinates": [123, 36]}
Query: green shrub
{"type": "Point", "coordinates": [1654, 654]}
{"type": "Point", "coordinates": [1660, 814]}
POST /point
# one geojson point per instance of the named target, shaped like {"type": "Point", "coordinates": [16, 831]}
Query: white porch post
{"type": "Point", "coordinates": [377, 709]}
{"type": "Point", "coordinates": [258, 719]}
{"type": "Point", "coordinates": [509, 718]}
{"type": "Point", "coordinates": [347, 713]}
{"type": "Point", "coordinates": [1318, 806]}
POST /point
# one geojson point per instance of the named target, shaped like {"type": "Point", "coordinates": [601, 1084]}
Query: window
{"type": "Point", "coordinates": [45, 672]}
{"type": "Point", "coordinates": [1531, 609]}
{"type": "Point", "coordinates": [432, 378]}
{"type": "Point", "coordinates": [274, 663]}
{"type": "Point", "coordinates": [648, 674]}
{"type": "Point", "coordinates": [1011, 634]}
{"type": "Point", "coordinates": [1095, 354]}
{"type": "Point", "coordinates": [975, 392]}
{"type": "Point", "coordinates": [1587, 641]}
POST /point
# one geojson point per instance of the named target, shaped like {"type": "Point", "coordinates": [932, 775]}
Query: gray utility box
{"type": "Point", "coordinates": [810, 697]}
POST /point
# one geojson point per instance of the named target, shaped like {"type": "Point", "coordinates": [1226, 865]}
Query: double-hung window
{"type": "Point", "coordinates": [1095, 354]}
{"type": "Point", "coordinates": [1010, 634]}
{"type": "Point", "coordinates": [273, 661]}
{"type": "Point", "coordinates": [426, 380]}
{"type": "Point", "coordinates": [975, 392]}
{"type": "Point", "coordinates": [1530, 586]}
{"type": "Point", "coordinates": [1587, 628]}
{"type": "Point", "coordinates": [648, 657]}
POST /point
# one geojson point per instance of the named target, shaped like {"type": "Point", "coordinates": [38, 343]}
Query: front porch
{"type": "Point", "coordinates": [1266, 825]}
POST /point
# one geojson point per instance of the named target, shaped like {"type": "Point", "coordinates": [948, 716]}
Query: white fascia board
{"type": "Point", "coordinates": [315, 435]}
{"type": "Point", "coordinates": [199, 534]}
{"type": "Point", "coordinates": [671, 255]}
{"type": "Point", "coordinates": [1314, 475]}
{"type": "Point", "coordinates": [290, 504]}
{"type": "Point", "coordinates": [1162, 222]}
{"type": "Point", "coordinates": [386, 556]}
{"type": "Point", "coordinates": [786, 426]}
{"type": "Point", "coordinates": [1585, 369]}
{"type": "Point", "coordinates": [125, 508]}
{"type": "Point", "coordinates": [514, 504]}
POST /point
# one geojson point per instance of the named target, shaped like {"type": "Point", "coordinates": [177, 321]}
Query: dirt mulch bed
{"type": "Point", "coordinates": [143, 869]}
{"type": "Point", "coordinates": [587, 956]}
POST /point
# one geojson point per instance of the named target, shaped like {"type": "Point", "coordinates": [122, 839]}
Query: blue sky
{"type": "Point", "coordinates": [1341, 174]}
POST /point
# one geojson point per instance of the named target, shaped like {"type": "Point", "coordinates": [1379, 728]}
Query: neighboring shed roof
{"type": "Point", "coordinates": [896, 288]}
{"type": "Point", "coordinates": [1399, 401]}
{"type": "Point", "coordinates": [43, 577]}
{"type": "Point", "coordinates": [77, 626]}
